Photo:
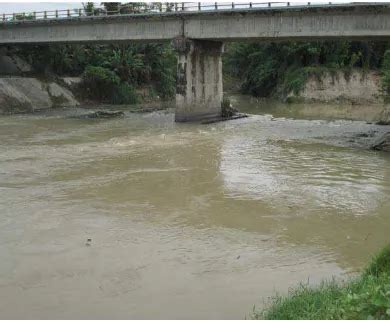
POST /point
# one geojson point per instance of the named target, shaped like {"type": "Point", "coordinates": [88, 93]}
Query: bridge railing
{"type": "Point", "coordinates": [139, 8]}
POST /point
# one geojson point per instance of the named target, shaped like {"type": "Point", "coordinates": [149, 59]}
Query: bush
{"type": "Point", "coordinates": [99, 82]}
{"type": "Point", "coordinates": [166, 85]}
{"type": "Point", "coordinates": [380, 263]}
{"type": "Point", "coordinates": [386, 75]}
{"type": "Point", "coordinates": [162, 62]}
{"type": "Point", "coordinates": [103, 84]}
{"type": "Point", "coordinates": [294, 81]}
{"type": "Point", "coordinates": [124, 94]}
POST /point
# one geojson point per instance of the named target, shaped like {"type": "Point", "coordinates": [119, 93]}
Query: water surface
{"type": "Point", "coordinates": [186, 220]}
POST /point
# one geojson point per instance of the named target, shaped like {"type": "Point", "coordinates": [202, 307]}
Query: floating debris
{"type": "Point", "coordinates": [383, 143]}
{"type": "Point", "coordinates": [100, 115]}
{"type": "Point", "coordinates": [222, 119]}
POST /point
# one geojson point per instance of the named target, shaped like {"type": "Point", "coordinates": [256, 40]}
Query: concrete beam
{"type": "Point", "coordinates": [309, 24]}
{"type": "Point", "coordinates": [100, 30]}
{"type": "Point", "coordinates": [305, 23]}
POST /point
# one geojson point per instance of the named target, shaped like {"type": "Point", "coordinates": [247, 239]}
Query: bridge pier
{"type": "Point", "coordinates": [199, 88]}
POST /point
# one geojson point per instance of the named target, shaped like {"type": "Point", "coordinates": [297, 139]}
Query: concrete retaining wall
{"type": "Point", "coordinates": [26, 94]}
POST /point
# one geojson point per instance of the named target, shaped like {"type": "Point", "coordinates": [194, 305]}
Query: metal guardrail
{"type": "Point", "coordinates": [147, 8]}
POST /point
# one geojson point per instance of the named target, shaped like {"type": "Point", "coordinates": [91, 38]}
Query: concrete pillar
{"type": "Point", "coordinates": [199, 89]}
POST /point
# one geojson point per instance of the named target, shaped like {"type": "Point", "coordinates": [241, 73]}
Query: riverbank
{"type": "Point", "coordinates": [353, 95]}
{"type": "Point", "coordinates": [372, 113]}
{"type": "Point", "coordinates": [323, 93]}
{"type": "Point", "coordinates": [366, 297]}
{"type": "Point", "coordinates": [33, 79]}
{"type": "Point", "coordinates": [353, 86]}
{"type": "Point", "coordinates": [32, 94]}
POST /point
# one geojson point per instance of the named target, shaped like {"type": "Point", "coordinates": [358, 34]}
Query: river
{"type": "Point", "coordinates": [184, 220]}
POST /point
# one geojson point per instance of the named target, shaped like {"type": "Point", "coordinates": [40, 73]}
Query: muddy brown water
{"type": "Point", "coordinates": [184, 220]}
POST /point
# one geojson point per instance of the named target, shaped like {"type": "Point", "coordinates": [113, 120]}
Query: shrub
{"type": "Point", "coordinates": [294, 80]}
{"type": "Point", "coordinates": [380, 263]}
{"type": "Point", "coordinates": [99, 82]}
{"type": "Point", "coordinates": [124, 94]}
{"type": "Point", "coordinates": [386, 75]}
{"type": "Point", "coordinates": [104, 84]}
{"type": "Point", "coordinates": [166, 85]}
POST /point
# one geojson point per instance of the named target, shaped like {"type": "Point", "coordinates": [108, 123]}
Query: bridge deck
{"type": "Point", "coordinates": [265, 21]}
{"type": "Point", "coordinates": [185, 9]}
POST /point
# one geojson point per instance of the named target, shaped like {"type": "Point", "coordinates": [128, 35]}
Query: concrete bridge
{"type": "Point", "coordinates": [198, 32]}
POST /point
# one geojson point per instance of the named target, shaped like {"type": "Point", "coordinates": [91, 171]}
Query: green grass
{"type": "Point", "coordinates": [366, 297]}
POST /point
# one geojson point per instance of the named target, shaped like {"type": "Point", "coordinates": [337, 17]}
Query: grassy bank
{"type": "Point", "coordinates": [366, 297]}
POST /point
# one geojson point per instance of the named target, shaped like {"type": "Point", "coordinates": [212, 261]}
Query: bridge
{"type": "Point", "coordinates": [197, 32]}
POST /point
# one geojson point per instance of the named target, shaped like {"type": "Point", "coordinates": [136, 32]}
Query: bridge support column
{"type": "Point", "coordinates": [199, 89]}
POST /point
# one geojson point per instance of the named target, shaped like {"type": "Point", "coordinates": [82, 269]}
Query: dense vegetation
{"type": "Point", "coordinates": [367, 297]}
{"type": "Point", "coordinates": [276, 69]}
{"type": "Point", "coordinates": [111, 73]}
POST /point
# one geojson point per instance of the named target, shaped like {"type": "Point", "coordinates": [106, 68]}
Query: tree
{"type": "Point", "coordinates": [111, 8]}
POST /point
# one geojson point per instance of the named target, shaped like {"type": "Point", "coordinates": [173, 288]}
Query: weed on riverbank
{"type": "Point", "coordinates": [366, 297]}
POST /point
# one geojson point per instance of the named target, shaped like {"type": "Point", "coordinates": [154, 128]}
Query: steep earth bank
{"type": "Point", "coordinates": [355, 87]}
